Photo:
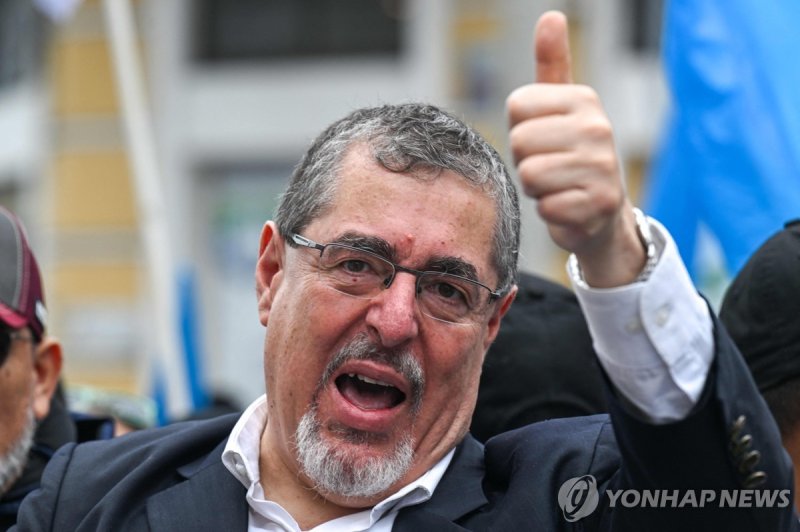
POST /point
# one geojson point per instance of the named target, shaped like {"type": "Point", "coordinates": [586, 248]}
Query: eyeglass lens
{"type": "Point", "coordinates": [363, 274]}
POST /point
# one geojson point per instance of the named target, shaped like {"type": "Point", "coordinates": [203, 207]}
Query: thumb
{"type": "Point", "coordinates": [553, 59]}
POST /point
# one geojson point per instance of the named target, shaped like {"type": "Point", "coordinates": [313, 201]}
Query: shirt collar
{"type": "Point", "coordinates": [240, 456]}
{"type": "Point", "coordinates": [241, 453]}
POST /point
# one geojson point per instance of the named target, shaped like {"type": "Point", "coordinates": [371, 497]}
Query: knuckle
{"type": "Point", "coordinates": [529, 169]}
{"type": "Point", "coordinates": [518, 143]}
{"type": "Point", "coordinates": [515, 105]}
{"type": "Point", "coordinates": [607, 202]}
{"type": "Point", "coordinates": [606, 163]}
{"type": "Point", "coordinates": [587, 95]}
{"type": "Point", "coordinates": [515, 137]}
{"type": "Point", "coordinates": [597, 128]}
{"type": "Point", "coordinates": [547, 209]}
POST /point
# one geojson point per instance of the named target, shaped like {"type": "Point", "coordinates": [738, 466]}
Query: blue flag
{"type": "Point", "coordinates": [729, 159]}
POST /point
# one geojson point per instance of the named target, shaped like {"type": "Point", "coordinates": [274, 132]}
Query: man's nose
{"type": "Point", "coordinates": [393, 313]}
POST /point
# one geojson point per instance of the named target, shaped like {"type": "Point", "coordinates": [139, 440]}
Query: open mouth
{"type": "Point", "coordinates": [367, 393]}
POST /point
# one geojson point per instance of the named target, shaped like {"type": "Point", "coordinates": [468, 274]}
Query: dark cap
{"type": "Point", "coordinates": [761, 309]}
{"type": "Point", "coordinates": [21, 297]}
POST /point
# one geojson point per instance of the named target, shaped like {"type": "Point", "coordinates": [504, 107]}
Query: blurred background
{"type": "Point", "coordinates": [233, 92]}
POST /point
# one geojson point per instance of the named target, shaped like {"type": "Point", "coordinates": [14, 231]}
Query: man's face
{"type": "Point", "coordinates": [17, 383]}
{"type": "Point", "coordinates": [374, 384]}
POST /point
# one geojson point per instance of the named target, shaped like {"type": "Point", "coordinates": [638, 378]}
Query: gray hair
{"type": "Point", "coordinates": [407, 138]}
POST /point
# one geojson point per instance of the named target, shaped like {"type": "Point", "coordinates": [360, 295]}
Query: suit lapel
{"type": "Point", "coordinates": [459, 492]}
{"type": "Point", "coordinates": [209, 499]}
{"type": "Point", "coordinates": [212, 499]}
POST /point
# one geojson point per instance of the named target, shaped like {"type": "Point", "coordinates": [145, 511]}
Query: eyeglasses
{"type": "Point", "coordinates": [364, 274]}
{"type": "Point", "coordinates": [7, 337]}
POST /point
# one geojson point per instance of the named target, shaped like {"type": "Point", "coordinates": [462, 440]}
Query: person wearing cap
{"type": "Point", "coordinates": [34, 420]}
{"type": "Point", "coordinates": [761, 311]}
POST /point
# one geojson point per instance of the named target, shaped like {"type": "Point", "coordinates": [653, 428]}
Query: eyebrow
{"type": "Point", "coordinates": [452, 265]}
{"type": "Point", "coordinates": [379, 246]}
{"type": "Point", "coordinates": [374, 244]}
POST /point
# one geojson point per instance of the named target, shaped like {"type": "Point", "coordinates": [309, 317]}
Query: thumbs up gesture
{"type": "Point", "coordinates": [563, 147]}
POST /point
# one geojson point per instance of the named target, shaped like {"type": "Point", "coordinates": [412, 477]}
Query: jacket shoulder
{"type": "Point", "coordinates": [526, 467]}
{"type": "Point", "coordinates": [577, 444]}
{"type": "Point", "coordinates": [91, 483]}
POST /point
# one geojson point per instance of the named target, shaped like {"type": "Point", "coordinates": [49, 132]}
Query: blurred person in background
{"type": "Point", "coordinates": [34, 420]}
{"type": "Point", "coordinates": [381, 284]}
{"type": "Point", "coordinates": [541, 365]}
{"type": "Point", "coordinates": [761, 310]}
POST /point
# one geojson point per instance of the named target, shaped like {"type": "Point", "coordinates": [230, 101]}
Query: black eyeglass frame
{"type": "Point", "coordinates": [300, 240]}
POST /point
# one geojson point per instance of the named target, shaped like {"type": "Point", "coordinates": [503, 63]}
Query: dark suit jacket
{"type": "Point", "coordinates": [173, 478]}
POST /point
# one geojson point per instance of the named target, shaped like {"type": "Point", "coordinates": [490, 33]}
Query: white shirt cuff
{"type": "Point", "coordinates": [653, 338]}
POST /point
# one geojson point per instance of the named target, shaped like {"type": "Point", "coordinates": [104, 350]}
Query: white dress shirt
{"type": "Point", "coordinates": [653, 338]}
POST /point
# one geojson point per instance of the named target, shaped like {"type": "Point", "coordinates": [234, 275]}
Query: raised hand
{"type": "Point", "coordinates": [563, 146]}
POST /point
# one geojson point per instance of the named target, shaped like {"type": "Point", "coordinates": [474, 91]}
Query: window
{"type": "Point", "coordinates": [644, 30]}
{"type": "Point", "coordinates": [257, 30]}
{"type": "Point", "coordinates": [21, 40]}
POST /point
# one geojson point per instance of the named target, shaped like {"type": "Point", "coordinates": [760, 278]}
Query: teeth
{"type": "Point", "coordinates": [367, 379]}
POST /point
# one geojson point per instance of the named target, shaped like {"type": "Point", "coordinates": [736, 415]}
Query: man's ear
{"type": "Point", "coordinates": [269, 269]}
{"type": "Point", "coordinates": [47, 367]}
{"type": "Point", "coordinates": [497, 316]}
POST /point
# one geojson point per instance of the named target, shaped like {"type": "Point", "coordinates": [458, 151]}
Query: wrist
{"type": "Point", "coordinates": [617, 271]}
